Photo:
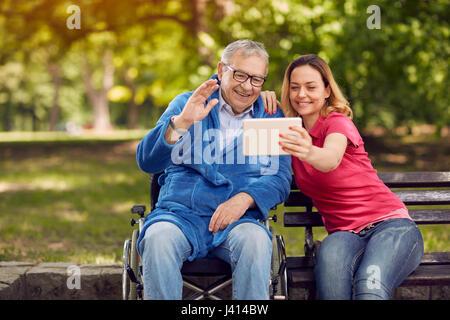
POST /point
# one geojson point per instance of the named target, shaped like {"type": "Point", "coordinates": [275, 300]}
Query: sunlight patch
{"type": "Point", "coordinates": [75, 216]}
{"type": "Point", "coordinates": [37, 185]}
{"type": "Point", "coordinates": [394, 158]}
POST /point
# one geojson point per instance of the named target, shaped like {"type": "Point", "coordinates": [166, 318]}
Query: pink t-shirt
{"type": "Point", "coordinates": [352, 196]}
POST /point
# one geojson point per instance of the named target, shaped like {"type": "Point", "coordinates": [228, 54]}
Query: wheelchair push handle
{"type": "Point", "coordinates": [138, 209]}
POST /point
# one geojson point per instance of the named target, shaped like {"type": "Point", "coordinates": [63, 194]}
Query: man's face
{"type": "Point", "coordinates": [241, 95]}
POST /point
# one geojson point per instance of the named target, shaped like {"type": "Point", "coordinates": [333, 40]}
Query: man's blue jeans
{"type": "Point", "coordinates": [247, 249]}
{"type": "Point", "coordinates": [372, 263]}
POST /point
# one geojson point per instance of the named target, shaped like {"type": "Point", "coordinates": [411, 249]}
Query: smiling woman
{"type": "Point", "coordinates": [331, 166]}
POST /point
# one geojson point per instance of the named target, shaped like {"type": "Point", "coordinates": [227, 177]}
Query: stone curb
{"type": "Point", "coordinates": [60, 281]}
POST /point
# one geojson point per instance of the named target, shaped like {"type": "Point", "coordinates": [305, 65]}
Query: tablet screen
{"type": "Point", "coordinates": [261, 136]}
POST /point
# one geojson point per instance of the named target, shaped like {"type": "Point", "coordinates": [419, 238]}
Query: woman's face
{"type": "Point", "coordinates": [307, 92]}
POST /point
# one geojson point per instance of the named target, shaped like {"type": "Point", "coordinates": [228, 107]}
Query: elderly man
{"type": "Point", "coordinates": [212, 196]}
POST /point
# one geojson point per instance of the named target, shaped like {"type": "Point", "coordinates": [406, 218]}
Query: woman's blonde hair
{"type": "Point", "coordinates": [335, 102]}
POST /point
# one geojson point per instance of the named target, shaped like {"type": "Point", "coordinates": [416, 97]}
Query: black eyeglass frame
{"type": "Point", "coordinates": [246, 74]}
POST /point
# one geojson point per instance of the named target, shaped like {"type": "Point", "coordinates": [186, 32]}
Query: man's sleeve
{"type": "Point", "coordinates": [153, 154]}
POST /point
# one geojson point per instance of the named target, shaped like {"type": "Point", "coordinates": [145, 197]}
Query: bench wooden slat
{"type": "Point", "coordinates": [436, 258]}
{"type": "Point", "coordinates": [431, 216]}
{"type": "Point", "coordinates": [429, 275]}
{"type": "Point", "coordinates": [300, 272]}
{"type": "Point", "coordinates": [415, 179]}
{"type": "Point", "coordinates": [408, 179]}
{"type": "Point", "coordinates": [428, 258]}
{"type": "Point", "coordinates": [410, 197]}
{"type": "Point", "coordinates": [302, 278]}
{"type": "Point", "coordinates": [423, 275]}
{"type": "Point", "coordinates": [413, 197]}
{"type": "Point", "coordinates": [299, 262]}
{"type": "Point", "coordinates": [426, 216]}
{"type": "Point", "coordinates": [297, 199]}
{"type": "Point", "coordinates": [424, 197]}
{"type": "Point", "coordinates": [434, 269]}
{"type": "Point", "coordinates": [302, 219]}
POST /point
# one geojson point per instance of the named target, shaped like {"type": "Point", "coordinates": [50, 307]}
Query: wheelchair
{"type": "Point", "coordinates": [194, 271]}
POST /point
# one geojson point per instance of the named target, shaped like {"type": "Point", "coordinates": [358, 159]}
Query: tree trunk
{"type": "Point", "coordinates": [101, 113]}
{"type": "Point", "coordinates": [7, 116]}
{"type": "Point", "coordinates": [132, 110]}
{"type": "Point", "coordinates": [224, 8]}
{"type": "Point", "coordinates": [132, 114]}
{"type": "Point", "coordinates": [199, 25]}
{"type": "Point", "coordinates": [55, 72]}
{"type": "Point", "coordinates": [98, 98]}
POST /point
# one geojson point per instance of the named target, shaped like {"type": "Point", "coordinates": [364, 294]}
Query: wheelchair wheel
{"type": "Point", "coordinates": [125, 262]}
{"type": "Point", "coordinates": [275, 285]}
{"type": "Point", "coordinates": [283, 267]}
{"type": "Point", "coordinates": [134, 265]}
{"type": "Point", "coordinates": [278, 285]}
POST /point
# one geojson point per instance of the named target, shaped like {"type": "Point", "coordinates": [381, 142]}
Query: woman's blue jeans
{"type": "Point", "coordinates": [368, 265]}
{"type": "Point", "coordinates": [247, 249]}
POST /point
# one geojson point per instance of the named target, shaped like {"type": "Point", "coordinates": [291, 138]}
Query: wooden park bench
{"type": "Point", "coordinates": [427, 195]}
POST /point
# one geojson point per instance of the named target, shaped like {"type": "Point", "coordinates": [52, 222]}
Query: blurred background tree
{"type": "Point", "coordinates": [130, 58]}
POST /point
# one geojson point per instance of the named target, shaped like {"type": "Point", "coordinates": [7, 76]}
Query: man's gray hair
{"type": "Point", "coordinates": [247, 48]}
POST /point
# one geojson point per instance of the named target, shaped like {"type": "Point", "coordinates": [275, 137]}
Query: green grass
{"type": "Point", "coordinates": [30, 137]}
{"type": "Point", "coordinates": [66, 198]}
{"type": "Point", "coordinates": [68, 202]}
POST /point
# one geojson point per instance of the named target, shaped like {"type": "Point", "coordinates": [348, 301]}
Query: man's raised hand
{"type": "Point", "coordinates": [195, 109]}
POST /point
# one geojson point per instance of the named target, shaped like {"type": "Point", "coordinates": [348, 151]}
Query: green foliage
{"type": "Point", "coordinates": [391, 76]}
{"type": "Point", "coordinates": [395, 75]}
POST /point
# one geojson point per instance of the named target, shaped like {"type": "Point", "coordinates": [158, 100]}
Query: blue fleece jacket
{"type": "Point", "coordinates": [198, 176]}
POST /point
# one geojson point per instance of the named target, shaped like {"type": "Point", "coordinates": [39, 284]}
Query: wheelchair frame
{"type": "Point", "coordinates": [132, 283]}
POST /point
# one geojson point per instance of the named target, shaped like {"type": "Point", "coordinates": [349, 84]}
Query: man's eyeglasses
{"type": "Point", "coordinates": [241, 76]}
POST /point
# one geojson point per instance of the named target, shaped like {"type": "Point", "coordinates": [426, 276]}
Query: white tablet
{"type": "Point", "coordinates": [261, 136]}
